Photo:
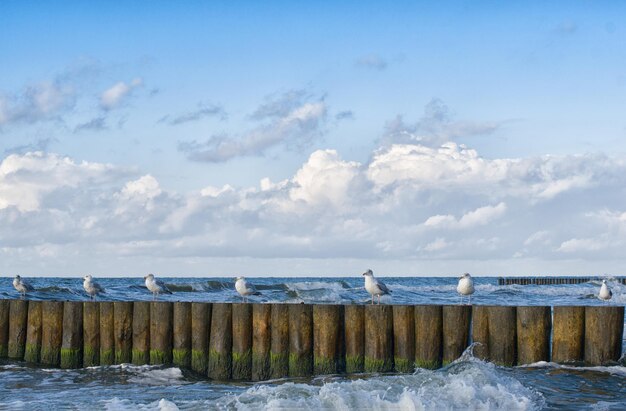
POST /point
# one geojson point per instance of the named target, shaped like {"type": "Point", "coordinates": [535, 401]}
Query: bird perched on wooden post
{"type": "Point", "coordinates": [155, 286]}
{"type": "Point", "coordinates": [466, 286]}
{"type": "Point", "coordinates": [22, 286]}
{"type": "Point", "coordinates": [91, 287]}
{"type": "Point", "coordinates": [374, 287]}
{"type": "Point", "coordinates": [244, 289]}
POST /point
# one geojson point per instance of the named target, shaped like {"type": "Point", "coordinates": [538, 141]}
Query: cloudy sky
{"type": "Point", "coordinates": [221, 138]}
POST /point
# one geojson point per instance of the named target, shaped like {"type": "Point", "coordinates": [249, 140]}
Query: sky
{"type": "Point", "coordinates": [321, 138]}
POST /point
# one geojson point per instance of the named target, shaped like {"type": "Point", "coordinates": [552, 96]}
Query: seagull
{"type": "Point", "coordinates": [244, 289]}
{"type": "Point", "coordinates": [22, 286]}
{"type": "Point", "coordinates": [374, 286]}
{"type": "Point", "coordinates": [156, 286]}
{"type": "Point", "coordinates": [466, 286]}
{"type": "Point", "coordinates": [605, 292]}
{"type": "Point", "coordinates": [92, 287]}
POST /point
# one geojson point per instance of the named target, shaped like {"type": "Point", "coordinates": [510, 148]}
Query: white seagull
{"type": "Point", "coordinates": [374, 286]}
{"type": "Point", "coordinates": [22, 286]}
{"type": "Point", "coordinates": [244, 289]}
{"type": "Point", "coordinates": [155, 286]}
{"type": "Point", "coordinates": [91, 287]}
{"type": "Point", "coordinates": [605, 292]}
{"type": "Point", "coordinates": [466, 286]}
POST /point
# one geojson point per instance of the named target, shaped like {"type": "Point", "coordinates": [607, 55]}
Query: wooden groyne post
{"type": "Point", "coordinates": [256, 342]}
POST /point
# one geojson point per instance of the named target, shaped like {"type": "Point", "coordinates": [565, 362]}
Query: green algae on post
{"type": "Point", "coordinates": [181, 349]}
{"type": "Point", "coordinates": [91, 334]}
{"type": "Point", "coordinates": [221, 342]}
{"type": "Point", "coordinates": [200, 326]}
{"type": "Point", "coordinates": [107, 334]}
{"type": "Point", "coordinates": [242, 341]}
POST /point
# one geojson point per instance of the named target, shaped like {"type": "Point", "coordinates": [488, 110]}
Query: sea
{"type": "Point", "coordinates": [466, 384]}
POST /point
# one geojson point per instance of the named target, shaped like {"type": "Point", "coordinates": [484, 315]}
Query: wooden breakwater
{"type": "Point", "coordinates": [254, 342]}
{"type": "Point", "coordinates": [552, 280]}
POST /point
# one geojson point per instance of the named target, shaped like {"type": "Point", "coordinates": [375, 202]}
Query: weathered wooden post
{"type": "Point", "coordinates": [428, 336]}
{"type": "Point", "coordinates": [279, 354]}
{"type": "Point", "coordinates": [91, 333]}
{"type": "Point", "coordinates": [123, 331]}
{"type": "Point", "coordinates": [604, 328]}
{"type": "Point", "coordinates": [107, 334]}
{"type": "Point", "coordinates": [456, 325]}
{"type": "Point", "coordinates": [534, 326]}
{"type": "Point", "coordinates": [328, 336]}
{"type": "Point", "coordinates": [52, 332]}
{"type": "Point", "coordinates": [33, 332]}
{"type": "Point", "coordinates": [72, 340]}
{"type": "Point", "coordinates": [502, 335]}
{"type": "Point", "coordinates": [404, 338]}
{"type": "Point", "coordinates": [354, 336]}
{"type": "Point", "coordinates": [221, 342]}
{"type": "Point", "coordinates": [200, 326]}
{"type": "Point", "coordinates": [300, 340]}
{"type": "Point", "coordinates": [568, 334]}
{"type": "Point", "coordinates": [18, 315]}
{"type": "Point", "coordinates": [242, 341]}
{"type": "Point", "coordinates": [181, 349]}
{"type": "Point", "coordinates": [161, 313]}
{"type": "Point", "coordinates": [480, 331]}
{"type": "Point", "coordinates": [378, 338]}
{"type": "Point", "coordinates": [141, 333]}
{"type": "Point", "coordinates": [261, 341]}
{"type": "Point", "coordinates": [4, 328]}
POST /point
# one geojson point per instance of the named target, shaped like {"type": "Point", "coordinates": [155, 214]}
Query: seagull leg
{"type": "Point", "coordinates": [372, 299]}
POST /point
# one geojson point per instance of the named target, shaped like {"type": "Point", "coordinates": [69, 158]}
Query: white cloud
{"type": "Point", "coordinates": [583, 244]}
{"type": "Point", "coordinates": [116, 94]}
{"type": "Point", "coordinates": [393, 207]}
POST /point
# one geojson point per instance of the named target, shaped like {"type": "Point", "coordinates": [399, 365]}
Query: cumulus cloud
{"type": "Point", "coordinates": [115, 95]}
{"type": "Point", "coordinates": [292, 120]}
{"type": "Point", "coordinates": [436, 126]}
{"type": "Point", "coordinates": [480, 216]}
{"type": "Point", "coordinates": [203, 111]}
{"type": "Point", "coordinates": [408, 202]}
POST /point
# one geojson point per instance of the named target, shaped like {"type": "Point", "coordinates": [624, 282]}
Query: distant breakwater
{"type": "Point", "coordinates": [254, 342]}
{"type": "Point", "coordinates": [552, 280]}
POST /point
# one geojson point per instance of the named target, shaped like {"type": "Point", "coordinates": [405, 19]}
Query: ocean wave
{"type": "Point", "coordinates": [465, 385]}
{"type": "Point", "coordinates": [609, 369]}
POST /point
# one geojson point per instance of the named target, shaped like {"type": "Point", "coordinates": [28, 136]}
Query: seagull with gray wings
{"type": "Point", "coordinates": [156, 286]}
{"type": "Point", "coordinates": [374, 287]}
{"type": "Point", "coordinates": [91, 287]}
{"type": "Point", "coordinates": [22, 286]}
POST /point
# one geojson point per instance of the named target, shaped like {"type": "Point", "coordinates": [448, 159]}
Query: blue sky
{"type": "Point", "coordinates": [443, 137]}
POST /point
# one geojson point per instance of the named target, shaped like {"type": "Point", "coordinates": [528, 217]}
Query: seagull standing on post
{"type": "Point", "coordinates": [244, 289]}
{"type": "Point", "coordinates": [155, 286]}
{"type": "Point", "coordinates": [92, 287]}
{"type": "Point", "coordinates": [374, 286]}
{"type": "Point", "coordinates": [605, 292]}
{"type": "Point", "coordinates": [466, 286]}
{"type": "Point", "coordinates": [22, 286]}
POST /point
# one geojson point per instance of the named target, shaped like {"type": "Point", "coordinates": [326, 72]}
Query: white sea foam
{"type": "Point", "coordinates": [164, 376]}
{"type": "Point", "coordinates": [116, 404]}
{"type": "Point", "coordinates": [467, 385]}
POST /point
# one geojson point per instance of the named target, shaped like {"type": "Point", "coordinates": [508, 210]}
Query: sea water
{"type": "Point", "coordinates": [468, 383]}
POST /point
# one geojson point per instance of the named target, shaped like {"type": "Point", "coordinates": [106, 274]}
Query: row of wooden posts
{"type": "Point", "coordinates": [263, 341]}
{"type": "Point", "coordinates": [551, 280]}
